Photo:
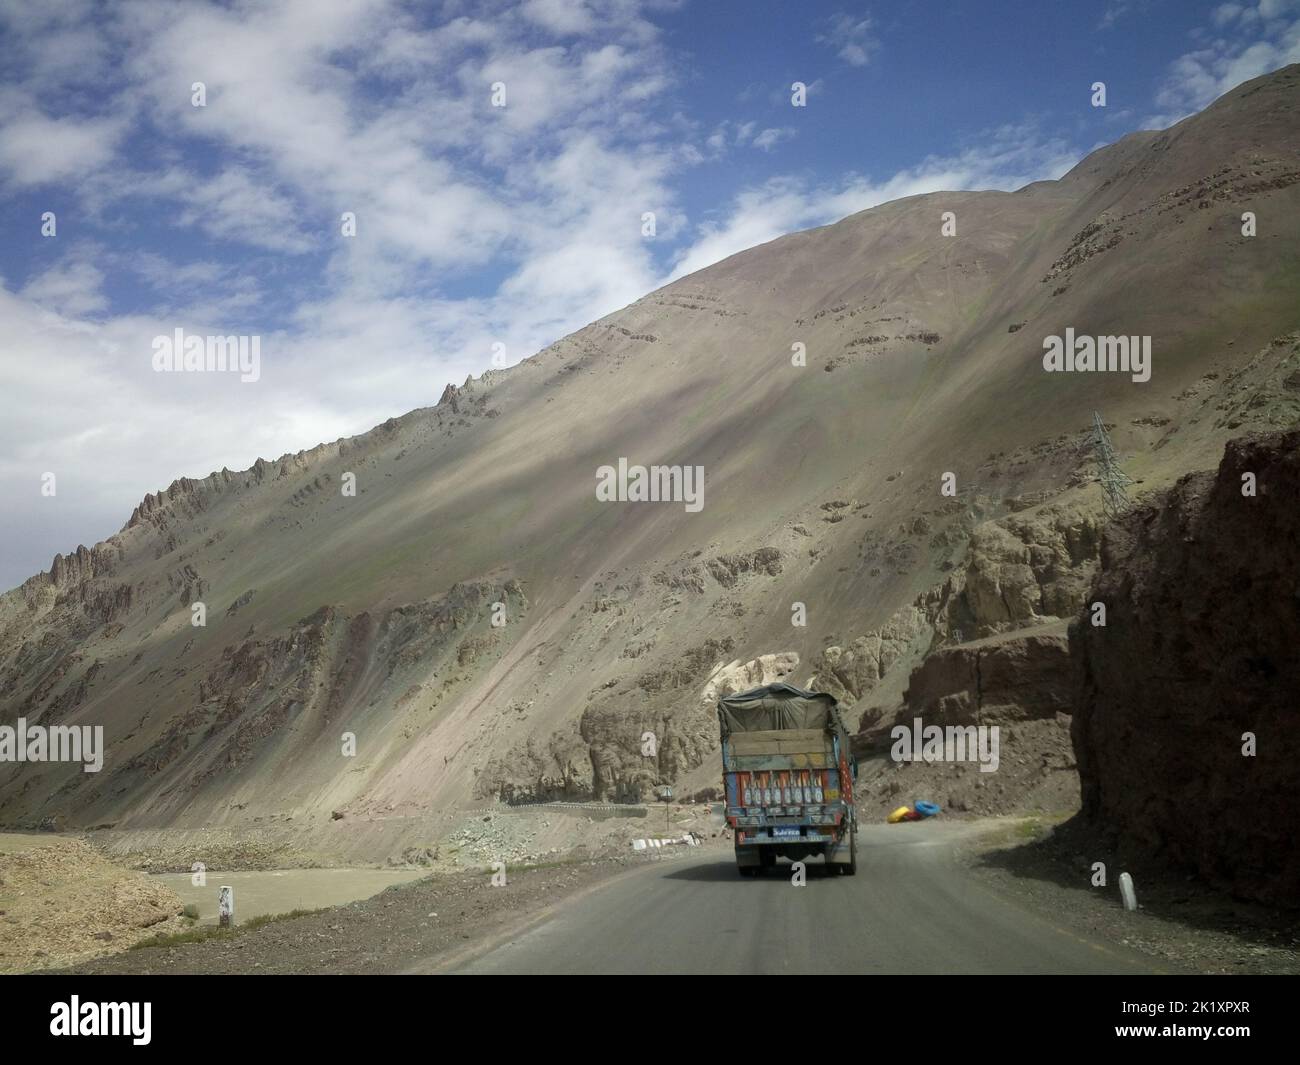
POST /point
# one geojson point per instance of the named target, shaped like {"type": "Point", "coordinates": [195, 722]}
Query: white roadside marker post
{"type": "Point", "coordinates": [1127, 893]}
{"type": "Point", "coordinates": [226, 907]}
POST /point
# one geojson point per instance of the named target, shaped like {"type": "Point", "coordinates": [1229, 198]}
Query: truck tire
{"type": "Point", "coordinates": [747, 870]}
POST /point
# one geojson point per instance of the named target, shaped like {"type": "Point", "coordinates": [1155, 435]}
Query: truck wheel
{"type": "Point", "coordinates": [852, 868]}
{"type": "Point", "coordinates": [747, 870]}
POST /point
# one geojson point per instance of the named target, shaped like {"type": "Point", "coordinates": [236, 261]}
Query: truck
{"type": "Point", "coordinates": [788, 773]}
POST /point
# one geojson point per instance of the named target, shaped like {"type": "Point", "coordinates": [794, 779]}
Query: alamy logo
{"type": "Point", "coordinates": [1081, 354]}
{"type": "Point", "coordinates": [103, 1018]}
{"type": "Point", "coordinates": [955, 743]}
{"type": "Point", "coordinates": [58, 743]}
{"type": "Point", "coordinates": [655, 484]}
{"type": "Point", "coordinates": [212, 354]}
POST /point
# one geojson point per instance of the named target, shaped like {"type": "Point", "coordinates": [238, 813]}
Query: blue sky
{"type": "Point", "coordinates": [476, 225]}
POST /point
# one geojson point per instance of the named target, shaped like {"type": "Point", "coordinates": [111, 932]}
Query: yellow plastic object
{"type": "Point", "coordinates": [899, 814]}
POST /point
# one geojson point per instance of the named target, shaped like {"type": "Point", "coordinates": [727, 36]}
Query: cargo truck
{"type": "Point", "coordinates": [788, 775]}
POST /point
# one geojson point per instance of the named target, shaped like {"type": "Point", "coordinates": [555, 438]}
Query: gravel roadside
{"type": "Point", "coordinates": [1050, 869]}
{"type": "Point", "coordinates": [413, 927]}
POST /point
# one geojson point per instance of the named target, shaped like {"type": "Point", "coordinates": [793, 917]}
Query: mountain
{"type": "Point", "coordinates": [372, 614]}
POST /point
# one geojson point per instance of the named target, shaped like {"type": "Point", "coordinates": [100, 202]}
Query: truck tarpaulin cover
{"type": "Point", "coordinates": [779, 706]}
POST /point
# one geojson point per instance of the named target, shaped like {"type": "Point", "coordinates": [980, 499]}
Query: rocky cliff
{"type": "Point", "coordinates": [1186, 723]}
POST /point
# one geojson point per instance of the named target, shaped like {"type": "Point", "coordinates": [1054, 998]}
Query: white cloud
{"type": "Point", "coordinates": [315, 108]}
{"type": "Point", "coordinates": [771, 137]}
{"type": "Point", "coordinates": [36, 149]}
{"type": "Point", "coordinates": [72, 288]}
{"type": "Point", "coordinates": [559, 16]}
{"type": "Point", "coordinates": [1009, 158]}
{"type": "Point", "coordinates": [166, 275]}
{"type": "Point", "coordinates": [1226, 13]}
{"type": "Point", "coordinates": [1253, 40]}
{"type": "Point", "coordinates": [1262, 11]}
{"type": "Point", "coordinates": [727, 135]}
{"type": "Point", "coordinates": [235, 205]}
{"type": "Point", "coordinates": [53, 45]}
{"type": "Point", "coordinates": [852, 38]}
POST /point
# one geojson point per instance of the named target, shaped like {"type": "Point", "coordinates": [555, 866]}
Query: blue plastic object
{"type": "Point", "coordinates": [926, 809]}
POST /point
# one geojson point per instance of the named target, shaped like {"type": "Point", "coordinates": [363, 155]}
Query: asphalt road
{"type": "Point", "coordinates": [911, 909]}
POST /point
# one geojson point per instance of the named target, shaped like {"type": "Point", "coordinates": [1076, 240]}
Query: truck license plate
{"type": "Point", "coordinates": [785, 831]}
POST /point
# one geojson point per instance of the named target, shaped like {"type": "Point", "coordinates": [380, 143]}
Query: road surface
{"type": "Point", "coordinates": [913, 908]}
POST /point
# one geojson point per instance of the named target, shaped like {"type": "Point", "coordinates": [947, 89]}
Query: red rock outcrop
{"type": "Point", "coordinates": [1019, 676]}
{"type": "Point", "coordinates": [1018, 683]}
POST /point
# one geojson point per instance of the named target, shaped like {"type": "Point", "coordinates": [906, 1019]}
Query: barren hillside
{"type": "Point", "coordinates": [372, 614]}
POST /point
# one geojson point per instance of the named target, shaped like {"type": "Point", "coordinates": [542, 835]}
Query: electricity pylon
{"type": "Point", "coordinates": [1114, 481]}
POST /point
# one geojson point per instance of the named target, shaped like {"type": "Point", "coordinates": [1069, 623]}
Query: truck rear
{"type": "Point", "coordinates": [788, 777]}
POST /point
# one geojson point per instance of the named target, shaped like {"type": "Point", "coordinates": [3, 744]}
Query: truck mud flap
{"type": "Point", "coordinates": [844, 855]}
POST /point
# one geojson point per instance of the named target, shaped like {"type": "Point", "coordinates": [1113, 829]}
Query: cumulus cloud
{"type": "Point", "coordinates": [36, 149]}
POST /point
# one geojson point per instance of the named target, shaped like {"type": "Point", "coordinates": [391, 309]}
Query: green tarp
{"type": "Point", "coordinates": [779, 706]}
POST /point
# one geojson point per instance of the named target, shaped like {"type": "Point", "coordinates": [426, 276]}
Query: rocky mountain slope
{"type": "Point", "coordinates": [373, 614]}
